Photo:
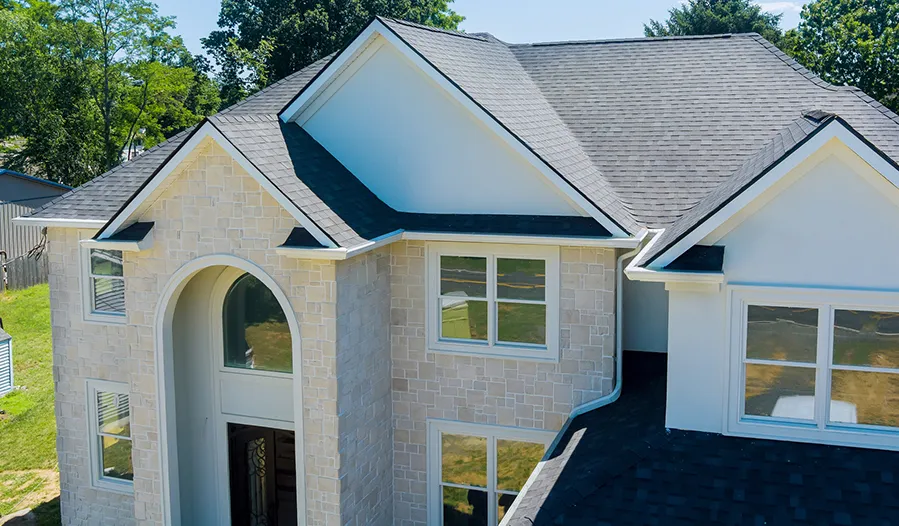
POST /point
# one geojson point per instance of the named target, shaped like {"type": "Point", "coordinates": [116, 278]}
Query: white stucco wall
{"type": "Point", "coordinates": [645, 316]}
{"type": "Point", "coordinates": [381, 125]}
{"type": "Point", "coordinates": [830, 225]}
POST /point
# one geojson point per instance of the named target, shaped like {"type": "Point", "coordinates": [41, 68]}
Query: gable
{"type": "Point", "coordinates": [828, 223]}
{"type": "Point", "coordinates": [418, 150]}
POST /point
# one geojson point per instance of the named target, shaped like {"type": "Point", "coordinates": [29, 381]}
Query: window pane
{"type": "Point", "coordinates": [503, 503]}
{"type": "Point", "coordinates": [464, 507]}
{"type": "Point", "coordinates": [117, 458]}
{"type": "Point", "coordinates": [256, 332]}
{"type": "Point", "coordinates": [464, 459]}
{"type": "Point", "coordinates": [521, 323]}
{"type": "Point", "coordinates": [463, 276]}
{"type": "Point", "coordinates": [859, 397]}
{"type": "Point", "coordinates": [866, 338]}
{"type": "Point", "coordinates": [514, 463]}
{"type": "Point", "coordinates": [113, 414]}
{"type": "Point", "coordinates": [106, 262]}
{"type": "Point", "coordinates": [109, 295]}
{"type": "Point", "coordinates": [780, 391]}
{"type": "Point", "coordinates": [782, 333]}
{"type": "Point", "coordinates": [463, 319]}
{"type": "Point", "coordinates": [521, 279]}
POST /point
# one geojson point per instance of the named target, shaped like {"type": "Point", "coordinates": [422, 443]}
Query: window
{"type": "Point", "coordinates": [110, 429]}
{"type": "Point", "coordinates": [822, 365]}
{"type": "Point", "coordinates": [476, 471]}
{"type": "Point", "coordinates": [256, 334]}
{"type": "Point", "coordinates": [494, 300]}
{"type": "Point", "coordinates": [105, 284]}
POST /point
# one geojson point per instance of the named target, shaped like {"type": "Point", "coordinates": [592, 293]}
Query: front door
{"type": "Point", "coordinates": [262, 464]}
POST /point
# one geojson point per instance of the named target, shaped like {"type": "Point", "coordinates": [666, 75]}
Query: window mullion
{"type": "Point", "coordinates": [825, 321]}
{"type": "Point", "coordinates": [491, 301]}
{"type": "Point", "coordinates": [492, 499]}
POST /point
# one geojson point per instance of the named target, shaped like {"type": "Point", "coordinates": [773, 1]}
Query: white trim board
{"type": "Point", "coordinates": [833, 130]}
{"type": "Point", "coordinates": [208, 130]}
{"type": "Point", "coordinates": [298, 111]}
{"type": "Point", "coordinates": [58, 222]}
{"type": "Point", "coordinates": [701, 280]}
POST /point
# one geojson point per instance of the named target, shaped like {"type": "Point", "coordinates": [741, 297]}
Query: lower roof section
{"type": "Point", "coordinates": [619, 465]}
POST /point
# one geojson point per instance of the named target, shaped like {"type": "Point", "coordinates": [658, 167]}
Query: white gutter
{"type": "Point", "coordinates": [59, 223]}
{"type": "Point", "coordinates": [637, 273]}
{"type": "Point", "coordinates": [339, 254]}
{"type": "Point", "coordinates": [599, 402]}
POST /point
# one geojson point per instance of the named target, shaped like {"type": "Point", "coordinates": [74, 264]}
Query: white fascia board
{"type": "Point", "coordinates": [338, 254]}
{"type": "Point", "coordinates": [297, 108]}
{"type": "Point", "coordinates": [208, 130]}
{"type": "Point", "coordinates": [833, 130]}
{"type": "Point", "coordinates": [58, 222]}
{"type": "Point", "coordinates": [125, 246]}
{"type": "Point", "coordinates": [637, 273]}
{"type": "Point", "coordinates": [614, 242]}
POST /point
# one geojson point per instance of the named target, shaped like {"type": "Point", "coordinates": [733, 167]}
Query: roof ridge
{"type": "Point", "coordinates": [818, 81]}
{"type": "Point", "coordinates": [449, 32]}
{"type": "Point", "coordinates": [628, 40]}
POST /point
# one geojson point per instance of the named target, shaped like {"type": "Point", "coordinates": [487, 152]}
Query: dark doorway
{"type": "Point", "coordinates": [263, 476]}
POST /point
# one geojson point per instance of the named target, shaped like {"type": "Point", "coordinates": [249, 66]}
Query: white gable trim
{"type": "Point", "coordinates": [297, 111]}
{"type": "Point", "coordinates": [208, 130]}
{"type": "Point", "coordinates": [702, 280]}
{"type": "Point", "coordinates": [836, 129]}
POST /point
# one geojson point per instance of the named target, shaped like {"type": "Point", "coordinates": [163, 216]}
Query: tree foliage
{"type": "Point", "coordinates": [711, 17]}
{"type": "Point", "coordinates": [854, 42]}
{"type": "Point", "coordinates": [262, 41]}
{"type": "Point", "coordinates": [82, 81]}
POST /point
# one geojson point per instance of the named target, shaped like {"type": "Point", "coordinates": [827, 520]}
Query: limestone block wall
{"type": "Point", "coordinates": [212, 206]}
{"type": "Point", "coordinates": [491, 390]}
{"type": "Point", "coordinates": [364, 400]}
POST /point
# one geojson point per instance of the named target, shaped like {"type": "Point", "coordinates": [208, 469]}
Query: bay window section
{"type": "Point", "coordinates": [495, 300]}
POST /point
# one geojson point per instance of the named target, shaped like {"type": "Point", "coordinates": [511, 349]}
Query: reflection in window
{"type": "Point", "coordinates": [256, 334]}
{"type": "Point", "coordinates": [781, 351]}
{"type": "Point", "coordinates": [469, 496]}
{"type": "Point", "coordinates": [865, 369]}
{"type": "Point", "coordinates": [114, 434]}
{"type": "Point", "coordinates": [107, 282]}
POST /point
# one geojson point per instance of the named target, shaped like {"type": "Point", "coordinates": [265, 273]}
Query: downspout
{"type": "Point", "coordinates": [619, 341]}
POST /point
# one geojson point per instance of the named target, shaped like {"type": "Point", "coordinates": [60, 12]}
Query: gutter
{"type": "Point", "coordinates": [60, 223]}
{"type": "Point", "coordinates": [637, 273]}
{"type": "Point", "coordinates": [604, 400]}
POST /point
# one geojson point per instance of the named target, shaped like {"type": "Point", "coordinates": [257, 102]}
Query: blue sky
{"type": "Point", "coordinates": [516, 21]}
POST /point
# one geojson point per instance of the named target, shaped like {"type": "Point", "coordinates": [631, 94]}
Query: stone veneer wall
{"type": "Point", "coordinates": [363, 380]}
{"type": "Point", "coordinates": [491, 390]}
{"type": "Point", "coordinates": [212, 207]}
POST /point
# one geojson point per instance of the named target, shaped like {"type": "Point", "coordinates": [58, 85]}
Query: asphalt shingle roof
{"type": "Point", "coordinates": [619, 465]}
{"type": "Point", "coordinates": [645, 128]}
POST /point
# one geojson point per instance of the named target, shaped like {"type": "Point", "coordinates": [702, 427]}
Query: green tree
{"type": "Point", "coordinates": [710, 17]}
{"type": "Point", "coordinates": [262, 41]}
{"type": "Point", "coordinates": [853, 42]}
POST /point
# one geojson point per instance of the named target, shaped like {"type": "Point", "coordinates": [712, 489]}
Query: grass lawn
{"type": "Point", "coordinates": [28, 467]}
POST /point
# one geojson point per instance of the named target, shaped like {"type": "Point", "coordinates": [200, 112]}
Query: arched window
{"type": "Point", "coordinates": [256, 335]}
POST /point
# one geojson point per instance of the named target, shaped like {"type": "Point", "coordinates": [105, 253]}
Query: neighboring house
{"type": "Point", "coordinates": [21, 194]}
{"type": "Point", "coordinates": [380, 290]}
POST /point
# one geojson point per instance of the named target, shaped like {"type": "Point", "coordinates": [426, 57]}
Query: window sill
{"type": "Point", "coordinates": [114, 486]}
{"type": "Point", "coordinates": [858, 436]}
{"type": "Point", "coordinates": [106, 319]}
{"type": "Point", "coordinates": [503, 352]}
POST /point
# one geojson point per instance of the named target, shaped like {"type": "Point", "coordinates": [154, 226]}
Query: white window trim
{"type": "Point", "coordinates": [98, 481]}
{"type": "Point", "coordinates": [819, 431]}
{"type": "Point", "coordinates": [87, 290]}
{"type": "Point", "coordinates": [550, 254]}
{"type": "Point", "coordinates": [492, 433]}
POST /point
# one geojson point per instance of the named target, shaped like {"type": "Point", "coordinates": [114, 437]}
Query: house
{"type": "Point", "coordinates": [396, 287]}
{"type": "Point", "coordinates": [20, 194]}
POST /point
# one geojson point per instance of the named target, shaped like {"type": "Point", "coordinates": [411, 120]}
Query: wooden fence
{"type": "Point", "coordinates": [20, 270]}
{"type": "Point", "coordinates": [26, 271]}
